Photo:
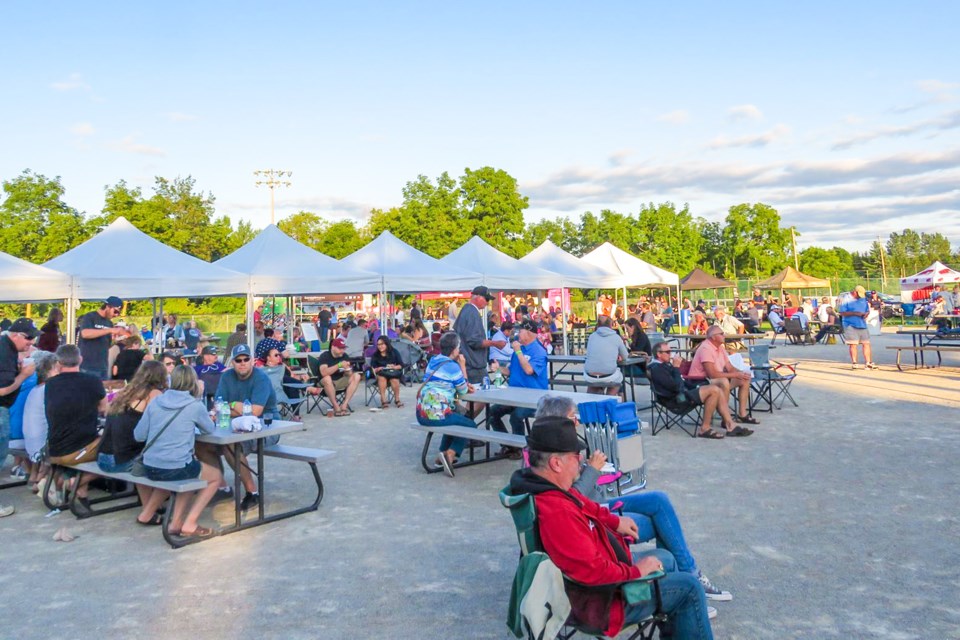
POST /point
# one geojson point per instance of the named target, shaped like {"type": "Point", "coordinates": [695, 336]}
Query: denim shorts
{"type": "Point", "coordinates": [189, 472]}
{"type": "Point", "coordinates": [107, 462]}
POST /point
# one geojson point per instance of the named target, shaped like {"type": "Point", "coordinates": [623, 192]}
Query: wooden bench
{"type": "Point", "coordinates": [486, 436]}
{"type": "Point", "coordinates": [922, 350]}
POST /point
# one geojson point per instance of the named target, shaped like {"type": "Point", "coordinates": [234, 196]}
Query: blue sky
{"type": "Point", "coordinates": [843, 116]}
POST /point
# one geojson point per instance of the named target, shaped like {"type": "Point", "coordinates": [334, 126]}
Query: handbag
{"type": "Point", "coordinates": [138, 468]}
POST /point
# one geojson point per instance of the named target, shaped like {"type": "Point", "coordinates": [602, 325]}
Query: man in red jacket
{"type": "Point", "coordinates": [590, 545]}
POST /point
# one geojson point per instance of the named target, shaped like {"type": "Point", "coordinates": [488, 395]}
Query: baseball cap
{"type": "Point", "coordinates": [339, 343]}
{"type": "Point", "coordinates": [860, 290]}
{"type": "Point", "coordinates": [113, 301]}
{"type": "Point", "coordinates": [482, 291]}
{"type": "Point", "coordinates": [240, 350]}
{"type": "Point", "coordinates": [209, 349]}
{"type": "Point", "coordinates": [24, 326]}
{"type": "Point", "coordinates": [529, 325]}
{"type": "Point", "coordinates": [554, 434]}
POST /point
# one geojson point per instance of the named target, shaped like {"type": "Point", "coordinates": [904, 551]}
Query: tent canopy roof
{"type": "Point", "coordinates": [790, 278]}
{"type": "Point", "coordinates": [573, 271]}
{"type": "Point", "coordinates": [700, 279]}
{"type": "Point", "coordinates": [499, 271]}
{"type": "Point", "coordinates": [937, 273]}
{"type": "Point", "coordinates": [635, 272]}
{"type": "Point", "coordinates": [405, 269]}
{"type": "Point", "coordinates": [278, 264]}
{"type": "Point", "coordinates": [123, 261]}
{"type": "Point", "coordinates": [24, 281]}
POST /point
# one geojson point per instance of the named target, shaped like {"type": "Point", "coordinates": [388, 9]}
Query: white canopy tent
{"type": "Point", "coordinates": [24, 281]}
{"type": "Point", "coordinates": [278, 264]}
{"type": "Point", "coordinates": [919, 286]}
{"type": "Point", "coordinates": [123, 261]}
{"type": "Point", "coordinates": [635, 272]}
{"type": "Point", "coordinates": [404, 269]}
{"type": "Point", "coordinates": [498, 270]}
{"type": "Point", "coordinates": [574, 271]}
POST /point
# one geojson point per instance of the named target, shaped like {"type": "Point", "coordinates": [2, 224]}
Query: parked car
{"type": "Point", "coordinates": [891, 307]}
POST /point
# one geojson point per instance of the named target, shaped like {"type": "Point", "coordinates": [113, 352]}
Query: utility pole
{"type": "Point", "coordinates": [883, 264]}
{"type": "Point", "coordinates": [272, 178]}
{"type": "Point", "coordinates": [793, 239]}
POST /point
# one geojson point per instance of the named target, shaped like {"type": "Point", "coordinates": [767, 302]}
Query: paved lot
{"type": "Point", "coordinates": [835, 520]}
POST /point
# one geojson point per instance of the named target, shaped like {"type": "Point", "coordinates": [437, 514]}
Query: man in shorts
{"type": "Point", "coordinates": [668, 385]}
{"type": "Point", "coordinates": [337, 374]}
{"type": "Point", "coordinates": [853, 314]}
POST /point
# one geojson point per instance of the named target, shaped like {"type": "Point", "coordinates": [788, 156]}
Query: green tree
{"type": "Point", "coordinates": [340, 239]}
{"type": "Point", "coordinates": [37, 224]}
{"type": "Point", "coordinates": [905, 249]}
{"type": "Point", "coordinates": [934, 246]}
{"type": "Point", "coordinates": [823, 263]}
{"type": "Point", "coordinates": [754, 241]}
{"type": "Point", "coordinates": [668, 238]}
{"type": "Point", "coordinates": [493, 207]}
{"type": "Point", "coordinates": [562, 232]}
{"type": "Point", "coordinates": [304, 227]}
{"type": "Point", "coordinates": [712, 249]}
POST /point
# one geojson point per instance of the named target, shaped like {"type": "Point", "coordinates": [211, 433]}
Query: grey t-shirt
{"type": "Point", "coordinates": [603, 347]}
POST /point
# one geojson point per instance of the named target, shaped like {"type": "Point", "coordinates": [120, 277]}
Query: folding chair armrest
{"type": "Point", "coordinates": [639, 590]}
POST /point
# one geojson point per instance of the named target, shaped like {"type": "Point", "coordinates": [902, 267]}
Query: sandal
{"type": "Point", "coordinates": [342, 413]}
{"type": "Point", "coordinates": [384, 405]}
{"type": "Point", "coordinates": [199, 532]}
{"type": "Point", "coordinates": [741, 431]}
{"type": "Point", "coordinates": [746, 420]}
{"type": "Point", "coordinates": [711, 434]}
{"type": "Point", "coordinates": [155, 520]}
{"type": "Point", "coordinates": [398, 403]}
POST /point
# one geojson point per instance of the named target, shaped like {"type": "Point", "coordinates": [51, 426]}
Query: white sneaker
{"type": "Point", "coordinates": [711, 613]}
{"type": "Point", "coordinates": [870, 365]}
{"type": "Point", "coordinates": [8, 510]}
{"type": "Point", "coordinates": [855, 366]}
{"type": "Point", "coordinates": [712, 592]}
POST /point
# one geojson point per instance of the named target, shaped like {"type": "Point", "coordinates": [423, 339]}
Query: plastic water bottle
{"type": "Point", "coordinates": [247, 408]}
{"type": "Point", "coordinates": [223, 414]}
{"type": "Point", "coordinates": [498, 378]}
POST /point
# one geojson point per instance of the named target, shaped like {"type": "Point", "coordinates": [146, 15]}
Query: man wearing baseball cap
{"type": "Point", "coordinates": [95, 330]}
{"type": "Point", "coordinates": [853, 314]}
{"type": "Point", "coordinates": [337, 374]}
{"type": "Point", "coordinates": [471, 327]}
{"type": "Point", "coordinates": [18, 338]}
{"type": "Point", "coordinates": [590, 545]}
{"type": "Point", "coordinates": [528, 370]}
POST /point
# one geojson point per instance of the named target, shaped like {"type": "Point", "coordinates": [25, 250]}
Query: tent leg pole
{"type": "Point", "coordinates": [250, 328]}
{"type": "Point", "coordinates": [563, 318]}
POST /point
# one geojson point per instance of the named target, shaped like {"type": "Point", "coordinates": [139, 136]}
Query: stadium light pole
{"type": "Point", "coordinates": [272, 178]}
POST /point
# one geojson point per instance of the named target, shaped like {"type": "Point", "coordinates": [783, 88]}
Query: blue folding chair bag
{"type": "Point", "coordinates": [624, 415]}
{"type": "Point", "coordinates": [594, 412]}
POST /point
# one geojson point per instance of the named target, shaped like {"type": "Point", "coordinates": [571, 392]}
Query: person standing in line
{"type": "Point", "coordinates": [471, 328]}
{"type": "Point", "coordinates": [95, 332]}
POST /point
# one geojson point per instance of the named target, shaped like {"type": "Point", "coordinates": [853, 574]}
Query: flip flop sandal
{"type": "Point", "coordinates": [741, 431]}
{"type": "Point", "coordinates": [342, 413]}
{"type": "Point", "coordinates": [199, 532]}
{"type": "Point", "coordinates": [746, 420]}
{"type": "Point", "coordinates": [384, 405]}
{"type": "Point", "coordinates": [711, 434]}
{"type": "Point", "coordinates": [155, 520]}
{"type": "Point", "coordinates": [399, 404]}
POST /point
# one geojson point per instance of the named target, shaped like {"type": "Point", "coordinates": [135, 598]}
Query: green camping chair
{"type": "Point", "coordinates": [554, 615]}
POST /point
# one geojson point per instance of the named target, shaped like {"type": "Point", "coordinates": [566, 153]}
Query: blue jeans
{"type": "Point", "coordinates": [107, 462]}
{"type": "Point", "coordinates": [517, 416]}
{"type": "Point", "coordinates": [100, 373]}
{"type": "Point", "coordinates": [666, 325]}
{"type": "Point", "coordinates": [452, 420]}
{"type": "Point", "coordinates": [656, 518]}
{"type": "Point", "coordinates": [4, 433]}
{"type": "Point", "coordinates": [685, 605]}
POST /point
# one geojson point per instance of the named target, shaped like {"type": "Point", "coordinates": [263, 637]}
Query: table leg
{"type": "Point", "coordinates": [237, 452]}
{"type": "Point", "coordinates": [260, 507]}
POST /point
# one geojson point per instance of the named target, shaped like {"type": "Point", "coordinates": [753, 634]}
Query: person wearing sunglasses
{"type": "Point", "coordinates": [18, 338]}
{"type": "Point", "coordinates": [677, 395]}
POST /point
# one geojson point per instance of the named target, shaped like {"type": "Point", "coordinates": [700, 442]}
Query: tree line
{"type": "Point", "coordinates": [437, 216]}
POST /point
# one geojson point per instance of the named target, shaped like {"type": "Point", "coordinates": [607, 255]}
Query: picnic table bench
{"type": "Point", "coordinates": [938, 348]}
{"type": "Point", "coordinates": [486, 436]}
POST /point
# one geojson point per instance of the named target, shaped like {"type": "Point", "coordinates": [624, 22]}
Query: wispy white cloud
{"type": "Point", "coordinates": [744, 112]}
{"type": "Point", "coordinates": [74, 82]}
{"type": "Point", "coordinates": [331, 207]}
{"type": "Point", "coordinates": [680, 116]}
{"type": "Point", "coordinates": [950, 120]}
{"type": "Point", "coordinates": [82, 129]}
{"type": "Point", "coordinates": [177, 116]}
{"type": "Point", "coordinates": [938, 87]}
{"type": "Point", "coordinates": [129, 144]}
{"type": "Point", "coordinates": [940, 92]}
{"type": "Point", "coordinates": [775, 134]}
{"type": "Point", "coordinates": [618, 158]}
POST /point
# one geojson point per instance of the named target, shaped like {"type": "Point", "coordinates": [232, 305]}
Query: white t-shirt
{"type": "Point", "coordinates": [399, 317]}
{"type": "Point", "coordinates": [35, 421]}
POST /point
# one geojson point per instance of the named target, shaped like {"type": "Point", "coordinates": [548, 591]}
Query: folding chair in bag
{"type": "Point", "coordinates": [666, 414]}
{"type": "Point", "coordinates": [613, 428]}
{"type": "Point", "coordinates": [771, 379]}
{"type": "Point", "coordinates": [549, 615]}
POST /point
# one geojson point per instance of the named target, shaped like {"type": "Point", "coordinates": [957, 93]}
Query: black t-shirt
{"type": "Point", "coordinates": [324, 317]}
{"type": "Point", "coordinates": [191, 337]}
{"type": "Point", "coordinates": [392, 357]}
{"type": "Point", "coordinates": [9, 368]}
{"type": "Point", "coordinates": [118, 436]}
{"type": "Point", "coordinates": [94, 350]}
{"type": "Point", "coordinates": [327, 359]}
{"type": "Point", "coordinates": [71, 403]}
{"type": "Point", "coordinates": [127, 363]}
{"type": "Point", "coordinates": [415, 314]}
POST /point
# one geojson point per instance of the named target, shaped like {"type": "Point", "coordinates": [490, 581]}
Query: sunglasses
{"type": "Point", "coordinates": [241, 360]}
